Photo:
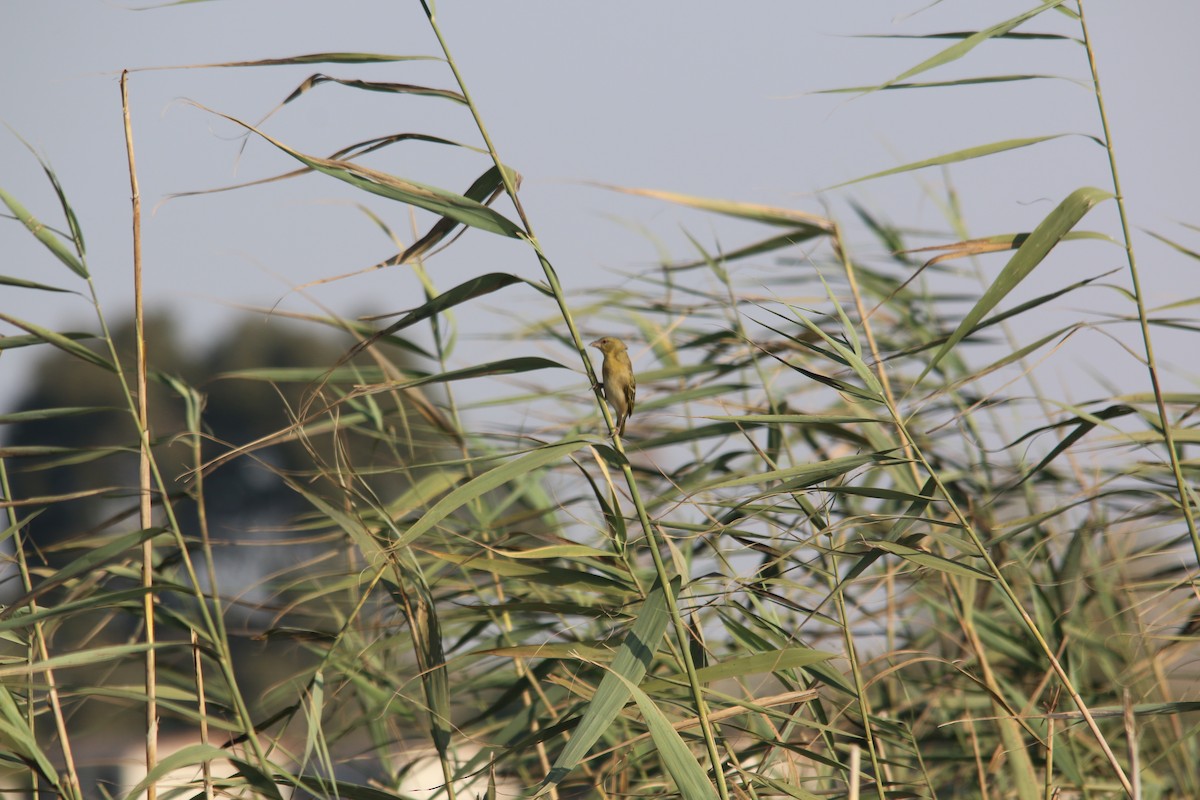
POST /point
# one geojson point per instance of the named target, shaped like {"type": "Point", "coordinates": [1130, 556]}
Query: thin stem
{"type": "Point", "coordinates": [660, 568]}
{"type": "Point", "coordinates": [1006, 588]}
{"type": "Point", "coordinates": [144, 484]}
{"type": "Point", "coordinates": [72, 788]}
{"type": "Point", "coordinates": [864, 703]}
{"type": "Point", "coordinates": [214, 630]}
{"type": "Point", "coordinates": [505, 620]}
{"type": "Point", "coordinates": [194, 403]}
{"type": "Point", "coordinates": [1138, 299]}
{"type": "Point", "coordinates": [885, 381]}
{"type": "Point", "coordinates": [202, 712]}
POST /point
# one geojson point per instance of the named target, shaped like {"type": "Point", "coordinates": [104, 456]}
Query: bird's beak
{"type": "Point", "coordinates": [595, 344]}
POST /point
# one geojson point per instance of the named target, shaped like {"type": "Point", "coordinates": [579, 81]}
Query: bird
{"type": "Point", "coordinates": [620, 387]}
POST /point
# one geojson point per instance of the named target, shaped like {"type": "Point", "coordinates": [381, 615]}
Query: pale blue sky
{"type": "Point", "coordinates": [709, 98]}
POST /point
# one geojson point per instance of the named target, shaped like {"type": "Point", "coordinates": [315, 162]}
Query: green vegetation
{"type": "Point", "coordinates": [849, 546]}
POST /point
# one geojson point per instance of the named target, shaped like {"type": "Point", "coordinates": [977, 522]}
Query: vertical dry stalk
{"type": "Point", "coordinates": [144, 450]}
{"type": "Point", "coordinates": [202, 708]}
{"type": "Point", "coordinates": [1131, 742]}
{"type": "Point", "coordinates": [1049, 757]}
{"type": "Point", "coordinates": [855, 771]}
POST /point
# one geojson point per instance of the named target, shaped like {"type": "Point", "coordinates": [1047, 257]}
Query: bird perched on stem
{"type": "Point", "coordinates": [619, 385]}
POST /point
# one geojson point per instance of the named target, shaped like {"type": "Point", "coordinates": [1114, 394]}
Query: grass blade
{"type": "Point", "coordinates": [492, 479]}
{"type": "Point", "coordinates": [310, 58]}
{"type": "Point", "coordinates": [941, 84]}
{"type": "Point", "coordinates": [979, 151]}
{"type": "Point", "coordinates": [783, 659]}
{"type": "Point", "coordinates": [507, 366]}
{"type": "Point", "coordinates": [316, 79]}
{"type": "Point", "coordinates": [770, 215]}
{"type": "Point", "coordinates": [966, 45]}
{"type": "Point", "coordinates": [1032, 251]}
{"type": "Point", "coordinates": [690, 778]}
{"type": "Point", "coordinates": [431, 198]}
{"type": "Point", "coordinates": [44, 235]}
{"type": "Point", "coordinates": [630, 665]}
{"type": "Point", "coordinates": [63, 342]}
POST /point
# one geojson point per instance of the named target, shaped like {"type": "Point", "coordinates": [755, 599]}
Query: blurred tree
{"type": "Point", "coordinates": [289, 576]}
{"type": "Point", "coordinates": [251, 510]}
{"type": "Point", "coordinates": [99, 444]}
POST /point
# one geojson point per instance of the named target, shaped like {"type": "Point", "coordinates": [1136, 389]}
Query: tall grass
{"type": "Point", "coordinates": [849, 547]}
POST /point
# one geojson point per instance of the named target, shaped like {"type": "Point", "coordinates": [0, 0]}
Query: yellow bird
{"type": "Point", "coordinates": [620, 386]}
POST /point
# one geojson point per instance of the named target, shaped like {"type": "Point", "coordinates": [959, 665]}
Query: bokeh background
{"type": "Point", "coordinates": [706, 99]}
